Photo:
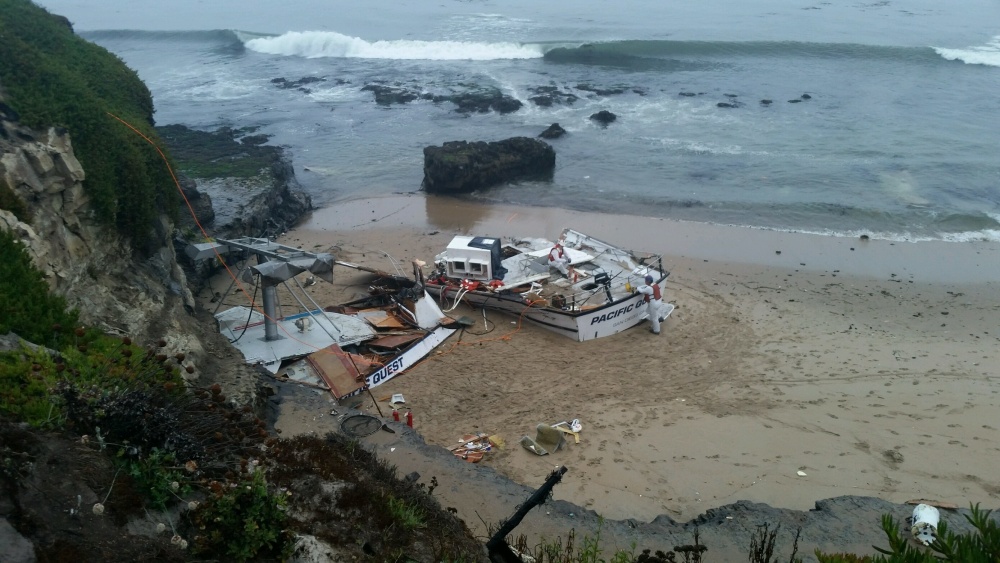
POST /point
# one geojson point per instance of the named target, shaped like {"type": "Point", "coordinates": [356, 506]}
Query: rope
{"type": "Point", "coordinates": [458, 298]}
{"type": "Point", "coordinates": [205, 235]}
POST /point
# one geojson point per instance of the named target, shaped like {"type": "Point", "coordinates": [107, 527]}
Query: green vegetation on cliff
{"type": "Point", "coordinates": [52, 77]}
{"type": "Point", "coordinates": [10, 202]}
{"type": "Point", "coordinates": [26, 306]}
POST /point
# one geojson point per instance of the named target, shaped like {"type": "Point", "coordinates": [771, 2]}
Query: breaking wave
{"type": "Point", "coordinates": [629, 53]}
{"type": "Point", "coordinates": [317, 44]}
{"type": "Point", "coordinates": [988, 54]}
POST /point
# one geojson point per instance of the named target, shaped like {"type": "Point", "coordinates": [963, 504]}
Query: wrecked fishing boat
{"type": "Point", "coordinates": [345, 349]}
{"type": "Point", "coordinates": [593, 295]}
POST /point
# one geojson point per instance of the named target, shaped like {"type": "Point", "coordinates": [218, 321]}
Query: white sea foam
{"type": "Point", "coordinates": [988, 54]}
{"type": "Point", "coordinates": [992, 235]}
{"type": "Point", "coordinates": [340, 93]}
{"type": "Point", "coordinates": [985, 235]}
{"type": "Point", "coordinates": [189, 85]}
{"type": "Point", "coordinates": [317, 44]}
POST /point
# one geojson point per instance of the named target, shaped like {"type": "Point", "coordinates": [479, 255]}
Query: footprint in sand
{"type": "Point", "coordinates": [893, 456]}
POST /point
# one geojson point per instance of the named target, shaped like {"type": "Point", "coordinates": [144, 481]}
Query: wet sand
{"type": "Point", "coordinates": [795, 368]}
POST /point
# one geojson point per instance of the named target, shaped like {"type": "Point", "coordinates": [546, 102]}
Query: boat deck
{"type": "Point", "coordinates": [325, 329]}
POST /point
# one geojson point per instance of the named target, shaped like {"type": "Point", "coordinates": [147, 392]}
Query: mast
{"type": "Point", "coordinates": [276, 263]}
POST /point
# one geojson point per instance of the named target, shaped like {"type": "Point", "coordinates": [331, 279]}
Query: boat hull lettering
{"type": "Point", "coordinates": [386, 372]}
{"type": "Point", "coordinates": [612, 314]}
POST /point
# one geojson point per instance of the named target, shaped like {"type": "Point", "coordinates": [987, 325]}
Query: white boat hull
{"type": "Point", "coordinates": [410, 357]}
{"type": "Point", "coordinates": [588, 324]}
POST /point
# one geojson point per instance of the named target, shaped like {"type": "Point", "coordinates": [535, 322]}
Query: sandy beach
{"type": "Point", "coordinates": [795, 368]}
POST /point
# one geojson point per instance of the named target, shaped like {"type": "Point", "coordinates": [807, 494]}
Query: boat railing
{"type": "Point", "coordinates": [596, 291]}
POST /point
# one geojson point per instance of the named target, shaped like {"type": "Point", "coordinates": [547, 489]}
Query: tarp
{"type": "Point", "coordinates": [278, 271]}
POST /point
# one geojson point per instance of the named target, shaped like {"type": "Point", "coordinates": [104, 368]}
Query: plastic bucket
{"type": "Point", "coordinates": [925, 523]}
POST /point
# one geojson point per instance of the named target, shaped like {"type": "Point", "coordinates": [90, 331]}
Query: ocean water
{"type": "Point", "coordinates": [885, 118]}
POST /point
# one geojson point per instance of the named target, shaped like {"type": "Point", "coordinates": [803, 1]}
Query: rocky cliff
{"type": "Point", "coordinates": [97, 270]}
{"type": "Point", "coordinates": [89, 263]}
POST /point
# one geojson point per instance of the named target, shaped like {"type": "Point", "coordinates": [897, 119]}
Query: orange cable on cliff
{"type": "Point", "coordinates": [254, 306]}
{"type": "Point", "coordinates": [194, 216]}
{"type": "Point", "coordinates": [218, 256]}
{"type": "Point", "coordinates": [204, 233]}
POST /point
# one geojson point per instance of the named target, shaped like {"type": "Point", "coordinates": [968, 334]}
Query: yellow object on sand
{"type": "Point", "coordinates": [576, 435]}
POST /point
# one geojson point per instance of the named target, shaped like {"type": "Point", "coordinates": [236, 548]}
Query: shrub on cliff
{"type": "Point", "coordinates": [26, 306]}
{"type": "Point", "coordinates": [10, 202]}
{"type": "Point", "coordinates": [52, 77]}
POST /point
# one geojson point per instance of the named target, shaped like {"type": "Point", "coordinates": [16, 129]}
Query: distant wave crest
{"type": "Point", "coordinates": [988, 54]}
{"type": "Point", "coordinates": [317, 44]}
{"type": "Point", "coordinates": [217, 36]}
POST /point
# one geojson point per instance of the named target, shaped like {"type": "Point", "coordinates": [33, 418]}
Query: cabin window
{"type": "Point", "coordinates": [477, 267]}
{"type": "Point", "coordinates": [457, 266]}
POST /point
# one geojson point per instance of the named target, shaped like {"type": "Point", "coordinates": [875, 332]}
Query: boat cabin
{"type": "Point", "coordinates": [474, 258]}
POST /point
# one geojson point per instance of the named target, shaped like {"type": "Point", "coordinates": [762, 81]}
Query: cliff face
{"type": "Point", "coordinates": [96, 269]}
{"type": "Point", "coordinates": [90, 264]}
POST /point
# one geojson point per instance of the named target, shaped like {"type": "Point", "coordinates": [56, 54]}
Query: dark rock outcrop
{"type": "Point", "coordinates": [732, 103]}
{"type": "Point", "coordinates": [547, 96]}
{"type": "Point", "coordinates": [477, 100]}
{"type": "Point", "coordinates": [604, 117]}
{"type": "Point", "coordinates": [201, 204]}
{"type": "Point", "coordinates": [299, 84]}
{"type": "Point", "coordinates": [482, 101]}
{"type": "Point", "coordinates": [237, 185]}
{"type": "Point", "coordinates": [602, 91]}
{"type": "Point", "coordinates": [388, 95]}
{"type": "Point", "coordinates": [462, 167]}
{"type": "Point", "coordinates": [274, 209]}
{"type": "Point", "coordinates": [553, 132]}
